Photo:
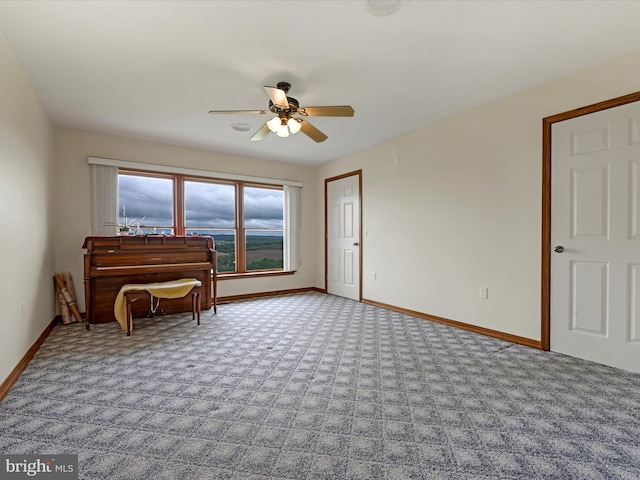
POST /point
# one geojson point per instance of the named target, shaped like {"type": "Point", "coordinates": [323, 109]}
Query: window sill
{"type": "Point", "coordinates": [229, 276]}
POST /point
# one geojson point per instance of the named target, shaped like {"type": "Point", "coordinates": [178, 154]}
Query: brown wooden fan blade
{"type": "Point", "coordinates": [278, 97]}
{"type": "Point", "coordinates": [240, 112]}
{"type": "Point", "coordinates": [260, 134]}
{"type": "Point", "coordinates": [333, 111]}
{"type": "Point", "coordinates": [312, 131]}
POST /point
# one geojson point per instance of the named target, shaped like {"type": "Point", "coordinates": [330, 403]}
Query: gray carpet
{"type": "Point", "coordinates": [313, 386]}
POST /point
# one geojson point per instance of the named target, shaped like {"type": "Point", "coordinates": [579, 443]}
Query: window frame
{"type": "Point", "coordinates": [165, 176]}
{"type": "Point", "coordinates": [179, 219]}
{"type": "Point", "coordinates": [243, 228]}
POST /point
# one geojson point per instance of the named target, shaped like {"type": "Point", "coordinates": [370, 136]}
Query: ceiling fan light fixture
{"type": "Point", "coordinates": [283, 131]}
{"type": "Point", "coordinates": [294, 125]}
{"type": "Point", "coordinates": [284, 124]}
{"type": "Point", "coordinates": [274, 124]}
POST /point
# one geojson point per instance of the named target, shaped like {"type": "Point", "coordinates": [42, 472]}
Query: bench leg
{"type": "Point", "coordinates": [129, 314]}
{"type": "Point", "coordinates": [195, 306]}
{"type": "Point", "coordinates": [130, 297]}
{"type": "Point", "coordinates": [199, 305]}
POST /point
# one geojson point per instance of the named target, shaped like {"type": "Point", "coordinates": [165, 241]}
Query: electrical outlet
{"type": "Point", "coordinates": [375, 276]}
{"type": "Point", "coordinates": [24, 307]}
{"type": "Point", "coordinates": [484, 293]}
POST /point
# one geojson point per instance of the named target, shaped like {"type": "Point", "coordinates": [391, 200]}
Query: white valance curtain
{"type": "Point", "coordinates": [149, 167]}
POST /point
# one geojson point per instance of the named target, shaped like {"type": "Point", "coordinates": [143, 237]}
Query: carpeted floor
{"type": "Point", "coordinates": [313, 386]}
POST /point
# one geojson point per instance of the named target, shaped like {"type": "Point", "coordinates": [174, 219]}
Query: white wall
{"type": "Point", "coordinates": [462, 209]}
{"type": "Point", "coordinates": [26, 206]}
{"type": "Point", "coordinates": [73, 215]}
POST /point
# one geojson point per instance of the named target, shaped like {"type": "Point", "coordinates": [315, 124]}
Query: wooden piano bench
{"type": "Point", "coordinates": [131, 296]}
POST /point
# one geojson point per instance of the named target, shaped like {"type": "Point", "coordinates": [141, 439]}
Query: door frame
{"type": "Point", "coordinates": [326, 227]}
{"type": "Point", "coordinates": [547, 123]}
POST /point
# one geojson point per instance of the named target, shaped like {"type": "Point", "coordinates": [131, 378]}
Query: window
{"type": "Point", "coordinates": [263, 228]}
{"type": "Point", "coordinates": [146, 203]}
{"type": "Point", "coordinates": [254, 221]}
{"type": "Point", "coordinates": [210, 209]}
{"type": "Point", "coordinates": [246, 220]}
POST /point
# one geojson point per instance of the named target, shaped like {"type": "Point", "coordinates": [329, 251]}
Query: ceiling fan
{"type": "Point", "coordinates": [285, 107]}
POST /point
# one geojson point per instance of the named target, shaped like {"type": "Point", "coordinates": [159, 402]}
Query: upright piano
{"type": "Point", "coordinates": [111, 262]}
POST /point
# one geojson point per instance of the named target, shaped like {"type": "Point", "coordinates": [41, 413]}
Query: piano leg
{"type": "Point", "coordinates": [214, 289]}
{"type": "Point", "coordinates": [87, 297]}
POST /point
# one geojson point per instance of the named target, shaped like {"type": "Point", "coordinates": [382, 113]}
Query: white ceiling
{"type": "Point", "coordinates": [152, 70]}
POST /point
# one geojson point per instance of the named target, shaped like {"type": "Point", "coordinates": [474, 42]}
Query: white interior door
{"type": "Point", "coordinates": [595, 235]}
{"type": "Point", "coordinates": [343, 237]}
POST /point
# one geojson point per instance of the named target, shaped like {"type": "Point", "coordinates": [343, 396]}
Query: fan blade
{"type": "Point", "coordinates": [260, 134]}
{"type": "Point", "coordinates": [312, 131]}
{"type": "Point", "coordinates": [278, 97]}
{"type": "Point", "coordinates": [335, 111]}
{"type": "Point", "coordinates": [240, 112]}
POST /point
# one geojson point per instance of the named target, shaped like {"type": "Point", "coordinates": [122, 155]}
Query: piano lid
{"type": "Point", "coordinates": [129, 242]}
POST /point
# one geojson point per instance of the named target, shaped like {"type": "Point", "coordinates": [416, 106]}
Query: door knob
{"type": "Point", "coordinates": [559, 249]}
{"type": "Point", "coordinates": [355, 244]}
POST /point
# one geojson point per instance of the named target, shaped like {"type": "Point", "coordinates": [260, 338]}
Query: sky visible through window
{"type": "Point", "coordinates": [208, 205]}
{"type": "Point", "coordinates": [263, 208]}
{"type": "Point", "coordinates": [146, 198]}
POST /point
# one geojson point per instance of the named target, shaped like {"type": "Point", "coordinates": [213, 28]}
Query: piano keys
{"type": "Point", "coordinates": [111, 262]}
